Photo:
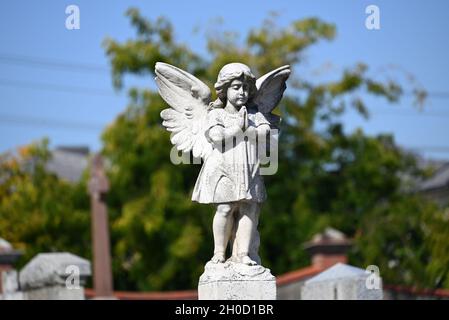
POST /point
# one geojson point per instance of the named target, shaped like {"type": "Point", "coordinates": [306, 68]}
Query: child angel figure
{"type": "Point", "coordinates": [229, 135]}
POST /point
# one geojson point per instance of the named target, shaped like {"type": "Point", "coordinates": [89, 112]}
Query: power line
{"type": "Point", "coordinates": [51, 63]}
{"type": "Point", "coordinates": [438, 94]}
{"type": "Point", "coordinates": [55, 123]}
{"type": "Point", "coordinates": [54, 87]}
{"type": "Point", "coordinates": [82, 67]}
{"type": "Point", "coordinates": [94, 91]}
{"type": "Point", "coordinates": [40, 122]}
{"type": "Point", "coordinates": [442, 149]}
{"type": "Point", "coordinates": [430, 94]}
{"type": "Point", "coordinates": [438, 115]}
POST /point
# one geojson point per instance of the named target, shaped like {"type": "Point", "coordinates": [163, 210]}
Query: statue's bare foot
{"type": "Point", "coordinates": [218, 257]}
{"type": "Point", "coordinates": [248, 261]}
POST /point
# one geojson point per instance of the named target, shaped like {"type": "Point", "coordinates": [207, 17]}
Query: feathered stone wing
{"type": "Point", "coordinates": [188, 98]}
{"type": "Point", "coordinates": [270, 89]}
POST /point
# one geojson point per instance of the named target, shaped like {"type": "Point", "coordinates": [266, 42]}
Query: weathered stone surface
{"type": "Point", "coordinates": [229, 134]}
{"type": "Point", "coordinates": [10, 286]}
{"type": "Point", "coordinates": [57, 292]}
{"type": "Point", "coordinates": [10, 281]}
{"type": "Point", "coordinates": [18, 295]}
{"type": "Point", "coordinates": [49, 269]}
{"type": "Point", "coordinates": [236, 281]}
{"type": "Point", "coordinates": [341, 282]}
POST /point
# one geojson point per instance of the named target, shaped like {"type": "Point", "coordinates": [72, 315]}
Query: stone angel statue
{"type": "Point", "coordinates": [226, 134]}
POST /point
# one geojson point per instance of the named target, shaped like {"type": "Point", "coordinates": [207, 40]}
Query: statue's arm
{"type": "Point", "coordinates": [219, 130]}
{"type": "Point", "coordinates": [218, 133]}
{"type": "Point", "coordinates": [261, 126]}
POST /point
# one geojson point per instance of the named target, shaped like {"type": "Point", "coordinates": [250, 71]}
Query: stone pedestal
{"type": "Point", "coordinates": [236, 281]}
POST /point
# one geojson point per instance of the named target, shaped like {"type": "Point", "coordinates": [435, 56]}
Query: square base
{"type": "Point", "coordinates": [236, 281]}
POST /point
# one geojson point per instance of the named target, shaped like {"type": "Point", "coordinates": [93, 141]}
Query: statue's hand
{"type": "Point", "coordinates": [241, 122]}
{"type": "Point", "coordinates": [251, 132]}
{"type": "Point", "coordinates": [242, 118]}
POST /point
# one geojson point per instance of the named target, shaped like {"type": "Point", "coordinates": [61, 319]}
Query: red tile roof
{"type": "Point", "coordinates": [440, 293]}
{"type": "Point", "coordinates": [167, 295]}
{"type": "Point", "coordinates": [298, 275]}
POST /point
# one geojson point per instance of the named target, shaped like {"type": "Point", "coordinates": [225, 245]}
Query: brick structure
{"type": "Point", "coordinates": [328, 248]}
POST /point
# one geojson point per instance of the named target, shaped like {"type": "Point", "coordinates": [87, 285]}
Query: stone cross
{"type": "Point", "coordinates": [98, 186]}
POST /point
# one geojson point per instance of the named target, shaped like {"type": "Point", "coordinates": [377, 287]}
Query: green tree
{"type": "Point", "coordinates": [38, 211]}
{"type": "Point", "coordinates": [436, 232]}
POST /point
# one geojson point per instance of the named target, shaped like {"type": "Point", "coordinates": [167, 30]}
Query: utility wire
{"type": "Point", "coordinates": [40, 122]}
{"type": "Point", "coordinates": [94, 91]}
{"type": "Point", "coordinates": [80, 67]}
{"type": "Point", "coordinates": [442, 149]}
{"type": "Point", "coordinates": [382, 113]}
{"type": "Point", "coordinates": [55, 87]}
{"type": "Point", "coordinates": [51, 63]}
{"type": "Point", "coordinates": [430, 94]}
{"type": "Point", "coordinates": [33, 121]}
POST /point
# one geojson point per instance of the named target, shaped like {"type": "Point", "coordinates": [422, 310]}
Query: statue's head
{"type": "Point", "coordinates": [235, 84]}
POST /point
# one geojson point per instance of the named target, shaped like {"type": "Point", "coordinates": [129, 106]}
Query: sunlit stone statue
{"type": "Point", "coordinates": [234, 135]}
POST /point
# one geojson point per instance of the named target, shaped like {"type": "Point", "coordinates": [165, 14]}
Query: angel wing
{"type": "Point", "coordinates": [188, 98]}
{"type": "Point", "coordinates": [270, 89]}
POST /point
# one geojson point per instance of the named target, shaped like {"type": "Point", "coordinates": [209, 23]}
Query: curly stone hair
{"type": "Point", "coordinates": [226, 75]}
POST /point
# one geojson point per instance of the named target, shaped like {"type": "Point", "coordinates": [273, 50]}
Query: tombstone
{"type": "Point", "coordinates": [98, 186]}
{"type": "Point", "coordinates": [326, 249]}
{"type": "Point", "coordinates": [343, 282]}
{"type": "Point", "coordinates": [54, 276]}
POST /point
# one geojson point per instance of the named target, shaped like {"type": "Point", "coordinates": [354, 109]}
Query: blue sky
{"type": "Point", "coordinates": [41, 95]}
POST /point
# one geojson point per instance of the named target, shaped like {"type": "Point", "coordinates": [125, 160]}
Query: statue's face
{"type": "Point", "coordinates": [238, 93]}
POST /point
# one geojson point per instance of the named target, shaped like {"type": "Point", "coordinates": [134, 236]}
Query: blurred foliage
{"type": "Point", "coordinates": [38, 211]}
{"type": "Point", "coordinates": [359, 184]}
